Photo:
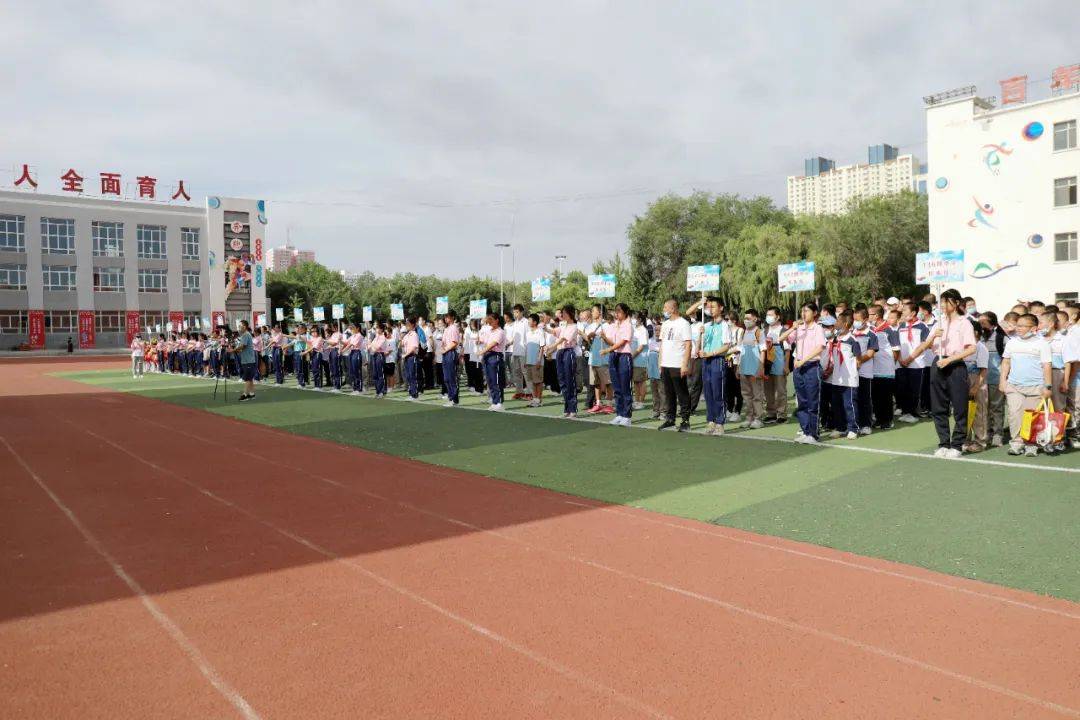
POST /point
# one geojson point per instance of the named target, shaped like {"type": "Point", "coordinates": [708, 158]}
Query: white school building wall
{"type": "Point", "coordinates": [1005, 194]}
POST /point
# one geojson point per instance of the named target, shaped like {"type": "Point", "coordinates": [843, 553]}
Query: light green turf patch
{"type": "Point", "coordinates": [1005, 524]}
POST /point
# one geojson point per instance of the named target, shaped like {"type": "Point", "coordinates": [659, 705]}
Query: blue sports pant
{"type": "Point", "coordinates": [493, 372]}
{"type": "Point", "coordinates": [566, 367]}
{"type": "Point", "coordinates": [378, 374]}
{"type": "Point", "coordinates": [449, 378]}
{"type": "Point", "coordinates": [335, 369]}
{"type": "Point", "coordinates": [620, 367]}
{"type": "Point", "coordinates": [410, 375]}
{"type": "Point", "coordinates": [300, 369]}
{"type": "Point", "coordinates": [316, 368]}
{"type": "Point", "coordinates": [278, 360]}
{"type": "Point", "coordinates": [713, 373]}
{"type": "Point", "coordinates": [356, 362]}
{"type": "Point", "coordinates": [845, 416]}
{"type": "Point", "coordinates": [808, 393]}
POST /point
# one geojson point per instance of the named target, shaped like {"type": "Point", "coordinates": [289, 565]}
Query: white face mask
{"type": "Point", "coordinates": [770, 319]}
{"type": "Point", "coordinates": [634, 322]}
{"type": "Point", "coordinates": [858, 324]}
{"type": "Point", "coordinates": [667, 315]}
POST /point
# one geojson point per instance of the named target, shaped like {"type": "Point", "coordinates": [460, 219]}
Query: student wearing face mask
{"type": "Point", "coordinates": [953, 340]}
{"type": "Point", "coordinates": [883, 387]}
{"type": "Point", "coordinates": [994, 338]}
{"type": "Point", "coordinates": [909, 375]}
{"type": "Point", "coordinates": [828, 322]}
{"type": "Point", "coordinates": [752, 370]}
{"type": "Point", "coordinates": [809, 343]}
{"type": "Point", "coordinates": [1025, 378]}
{"type": "Point", "coordinates": [716, 339]}
{"type": "Point", "coordinates": [619, 337]}
{"type": "Point", "coordinates": [1070, 381]}
{"type": "Point", "coordinates": [777, 361]}
{"type": "Point", "coordinates": [867, 341]}
{"type": "Point", "coordinates": [841, 373]}
{"type": "Point", "coordinates": [929, 314]}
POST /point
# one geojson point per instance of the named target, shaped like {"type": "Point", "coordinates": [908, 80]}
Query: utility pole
{"type": "Point", "coordinates": [502, 247]}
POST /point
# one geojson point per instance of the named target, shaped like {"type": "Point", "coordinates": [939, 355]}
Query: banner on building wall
{"type": "Point", "coordinates": [35, 329]}
{"type": "Point", "coordinates": [86, 330]}
{"type": "Point", "coordinates": [442, 305]}
{"type": "Point", "coordinates": [940, 266]}
{"type": "Point", "coordinates": [796, 277]}
{"type": "Point", "coordinates": [397, 311]}
{"type": "Point", "coordinates": [477, 309]}
{"type": "Point", "coordinates": [1014, 90]}
{"type": "Point", "coordinates": [700, 278]}
{"type": "Point", "coordinates": [541, 289]}
{"type": "Point", "coordinates": [133, 324]}
{"type": "Point", "coordinates": [219, 318]}
{"type": "Point", "coordinates": [177, 318]}
{"type": "Point", "coordinates": [602, 286]}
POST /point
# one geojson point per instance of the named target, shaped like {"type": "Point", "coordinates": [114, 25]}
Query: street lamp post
{"type": "Point", "coordinates": [559, 261]}
{"type": "Point", "coordinates": [502, 247]}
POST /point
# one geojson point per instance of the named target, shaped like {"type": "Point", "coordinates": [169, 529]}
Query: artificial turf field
{"type": "Point", "coordinates": [309, 556]}
{"type": "Point", "coordinates": [992, 517]}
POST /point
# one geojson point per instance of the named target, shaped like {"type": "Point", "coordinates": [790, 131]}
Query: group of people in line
{"type": "Point", "coordinates": [855, 369]}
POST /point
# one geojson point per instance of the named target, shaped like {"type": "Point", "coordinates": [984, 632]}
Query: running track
{"type": "Point", "coordinates": [150, 572]}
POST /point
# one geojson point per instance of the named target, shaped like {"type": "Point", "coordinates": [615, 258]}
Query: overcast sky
{"type": "Point", "coordinates": [410, 129]}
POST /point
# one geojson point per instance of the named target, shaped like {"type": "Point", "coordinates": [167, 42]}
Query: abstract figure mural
{"type": "Point", "coordinates": [992, 155]}
{"type": "Point", "coordinates": [982, 212]}
{"type": "Point", "coordinates": [983, 270]}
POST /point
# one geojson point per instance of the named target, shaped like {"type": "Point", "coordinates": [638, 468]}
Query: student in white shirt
{"type": "Point", "coordinates": [1025, 378]}
{"type": "Point", "coordinates": [842, 378]}
{"type": "Point", "coordinates": [978, 367]}
{"type": "Point", "coordinates": [515, 338]}
{"type": "Point", "coordinates": [640, 353]}
{"type": "Point", "coordinates": [1070, 377]}
{"type": "Point", "coordinates": [675, 342]}
{"type": "Point", "coordinates": [535, 341]}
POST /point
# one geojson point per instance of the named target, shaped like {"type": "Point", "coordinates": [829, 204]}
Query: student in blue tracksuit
{"type": "Point", "coordinates": [451, 351]}
{"type": "Point", "coordinates": [379, 347]}
{"type": "Point", "coordinates": [714, 343]}
{"type": "Point", "coordinates": [492, 353]}
{"type": "Point", "coordinates": [410, 349]}
{"type": "Point", "coordinates": [841, 374]}
{"type": "Point", "coordinates": [301, 350]}
{"type": "Point", "coordinates": [566, 346]}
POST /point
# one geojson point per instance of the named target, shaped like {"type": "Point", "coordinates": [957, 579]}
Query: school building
{"type": "Point", "coordinates": [98, 270]}
{"type": "Point", "coordinates": [1003, 189]}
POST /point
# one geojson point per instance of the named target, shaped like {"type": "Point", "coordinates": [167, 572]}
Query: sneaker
{"type": "Point", "coordinates": [885, 427]}
{"type": "Point", "coordinates": [851, 436]}
{"type": "Point", "coordinates": [952, 454]}
{"type": "Point", "coordinates": [756, 425]}
{"type": "Point", "coordinates": [625, 422]}
{"type": "Point", "coordinates": [657, 416]}
{"type": "Point", "coordinates": [533, 404]}
{"type": "Point", "coordinates": [769, 418]}
{"type": "Point", "coordinates": [684, 427]}
{"type": "Point", "coordinates": [1031, 450]}
{"type": "Point", "coordinates": [733, 417]}
{"type": "Point", "coordinates": [617, 420]}
{"type": "Point", "coordinates": [571, 416]}
{"type": "Point", "coordinates": [606, 409]}
{"type": "Point", "coordinates": [995, 441]}
{"type": "Point", "coordinates": [865, 431]}
{"type": "Point", "coordinates": [809, 440]}
{"type": "Point", "coordinates": [638, 406]}
{"type": "Point", "coordinates": [905, 418]}
{"type": "Point", "coordinates": [718, 430]}
{"type": "Point", "coordinates": [781, 420]}
{"type": "Point", "coordinates": [244, 398]}
{"type": "Point", "coordinates": [1015, 449]}
{"type": "Point", "coordinates": [972, 448]}
{"type": "Point", "coordinates": [666, 424]}
{"type": "Point", "coordinates": [593, 410]}
{"type": "Point", "coordinates": [448, 404]}
{"type": "Point", "coordinates": [497, 407]}
{"type": "Point", "coordinates": [834, 434]}
{"type": "Point", "coordinates": [799, 435]}
{"type": "Point", "coordinates": [940, 452]}
{"type": "Point", "coordinates": [709, 427]}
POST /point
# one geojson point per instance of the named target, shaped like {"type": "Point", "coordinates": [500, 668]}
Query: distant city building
{"type": "Point", "coordinates": [282, 258]}
{"type": "Point", "coordinates": [825, 189]}
{"type": "Point", "coordinates": [1004, 191]}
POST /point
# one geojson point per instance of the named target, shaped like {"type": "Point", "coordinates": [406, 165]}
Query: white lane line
{"type": "Point", "coordinates": [557, 667]}
{"type": "Point", "coordinates": [219, 683]}
{"type": "Point", "coordinates": [730, 436]}
{"type": "Point", "coordinates": [709, 531]}
{"type": "Point", "coordinates": [731, 607]}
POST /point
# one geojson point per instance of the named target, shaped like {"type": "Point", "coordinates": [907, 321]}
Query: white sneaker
{"type": "Point", "coordinates": [709, 427]}
{"type": "Point", "coordinates": [448, 404]}
{"type": "Point", "coordinates": [834, 434]}
{"type": "Point", "coordinates": [799, 435]}
{"type": "Point", "coordinates": [443, 396]}
{"type": "Point", "coordinates": [852, 436]}
{"type": "Point", "coordinates": [638, 406]}
{"type": "Point", "coordinates": [905, 418]}
{"type": "Point", "coordinates": [996, 441]}
{"type": "Point", "coordinates": [952, 454]}
{"type": "Point", "coordinates": [865, 431]}
{"type": "Point", "coordinates": [940, 452]}
{"type": "Point", "coordinates": [733, 417]}
{"type": "Point", "coordinates": [617, 420]}
{"type": "Point", "coordinates": [498, 407]}
{"type": "Point", "coordinates": [809, 440]}
{"type": "Point", "coordinates": [756, 425]}
{"type": "Point", "coordinates": [355, 392]}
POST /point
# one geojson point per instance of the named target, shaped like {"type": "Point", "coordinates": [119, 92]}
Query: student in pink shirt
{"type": "Point", "coordinates": [619, 336]}
{"type": "Point", "coordinates": [451, 351]}
{"type": "Point", "coordinates": [318, 344]}
{"type": "Point", "coordinates": [492, 349]}
{"type": "Point", "coordinates": [277, 354]}
{"type": "Point", "coordinates": [355, 349]}
{"type": "Point", "coordinates": [410, 346]}
{"type": "Point", "coordinates": [567, 339]}
{"type": "Point", "coordinates": [335, 342]}
{"type": "Point", "coordinates": [377, 351]}
{"type": "Point", "coordinates": [809, 343]}
{"type": "Point", "coordinates": [954, 341]}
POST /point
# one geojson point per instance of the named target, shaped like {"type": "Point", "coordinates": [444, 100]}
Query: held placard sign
{"type": "Point", "coordinates": [442, 305]}
{"type": "Point", "coordinates": [940, 266]}
{"type": "Point", "coordinates": [700, 278]}
{"type": "Point", "coordinates": [337, 311]}
{"type": "Point", "coordinates": [796, 277]}
{"type": "Point", "coordinates": [477, 309]}
{"type": "Point", "coordinates": [298, 314]}
{"type": "Point", "coordinates": [541, 289]}
{"type": "Point", "coordinates": [319, 313]}
{"type": "Point", "coordinates": [279, 314]}
{"type": "Point", "coordinates": [601, 286]}
{"type": "Point", "coordinates": [397, 311]}
{"type": "Point", "coordinates": [367, 313]}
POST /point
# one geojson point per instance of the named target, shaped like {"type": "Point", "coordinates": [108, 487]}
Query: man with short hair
{"type": "Point", "coordinates": [515, 338]}
{"type": "Point", "coordinates": [675, 342]}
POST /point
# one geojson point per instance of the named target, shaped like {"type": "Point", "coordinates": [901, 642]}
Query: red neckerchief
{"type": "Point", "coordinates": [834, 344]}
{"type": "Point", "coordinates": [882, 327]}
{"type": "Point", "coordinates": [910, 337]}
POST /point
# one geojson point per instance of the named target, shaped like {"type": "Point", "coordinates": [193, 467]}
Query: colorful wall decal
{"type": "Point", "coordinates": [983, 270]}
{"type": "Point", "coordinates": [1035, 241]}
{"type": "Point", "coordinates": [262, 218]}
{"type": "Point", "coordinates": [261, 205]}
{"type": "Point", "coordinates": [214, 202]}
{"type": "Point", "coordinates": [982, 211]}
{"type": "Point", "coordinates": [942, 183]}
{"type": "Point", "coordinates": [992, 155]}
{"type": "Point", "coordinates": [1033, 130]}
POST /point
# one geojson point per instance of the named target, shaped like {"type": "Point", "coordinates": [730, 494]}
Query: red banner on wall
{"type": "Point", "coordinates": [219, 318]}
{"type": "Point", "coordinates": [176, 317]}
{"type": "Point", "coordinates": [86, 330]}
{"type": "Point", "coordinates": [132, 325]}
{"type": "Point", "coordinates": [35, 329]}
{"type": "Point", "coordinates": [1014, 90]}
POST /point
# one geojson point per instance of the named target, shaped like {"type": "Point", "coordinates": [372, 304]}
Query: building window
{"type": "Point", "coordinates": [13, 322]}
{"type": "Point", "coordinates": [191, 319]}
{"type": "Point", "coordinates": [109, 321]}
{"type": "Point", "coordinates": [1065, 192]}
{"type": "Point", "coordinates": [152, 281]}
{"type": "Point", "coordinates": [1066, 297]}
{"type": "Point", "coordinates": [58, 278]}
{"type": "Point", "coordinates": [1065, 135]}
{"type": "Point", "coordinates": [12, 277]}
{"type": "Point", "coordinates": [155, 320]}
{"type": "Point", "coordinates": [151, 241]}
{"type": "Point", "coordinates": [1065, 247]}
{"type": "Point", "coordinates": [108, 238]}
{"type": "Point", "coordinates": [107, 279]}
{"type": "Point", "coordinates": [58, 236]}
{"type": "Point", "coordinates": [61, 321]}
{"type": "Point", "coordinates": [189, 243]}
{"type": "Point", "coordinates": [190, 282]}
{"type": "Point", "coordinates": [13, 233]}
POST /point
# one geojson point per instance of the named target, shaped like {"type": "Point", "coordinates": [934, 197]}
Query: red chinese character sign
{"type": "Point", "coordinates": [146, 186]}
{"type": "Point", "coordinates": [132, 325]}
{"type": "Point", "coordinates": [25, 178]}
{"type": "Point", "coordinates": [36, 329]}
{"type": "Point", "coordinates": [181, 192]}
{"type": "Point", "coordinates": [72, 181]}
{"type": "Point", "coordinates": [110, 183]}
{"type": "Point", "coordinates": [86, 330]}
{"type": "Point", "coordinates": [258, 249]}
{"type": "Point", "coordinates": [1014, 90]}
{"type": "Point", "coordinates": [1065, 78]}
